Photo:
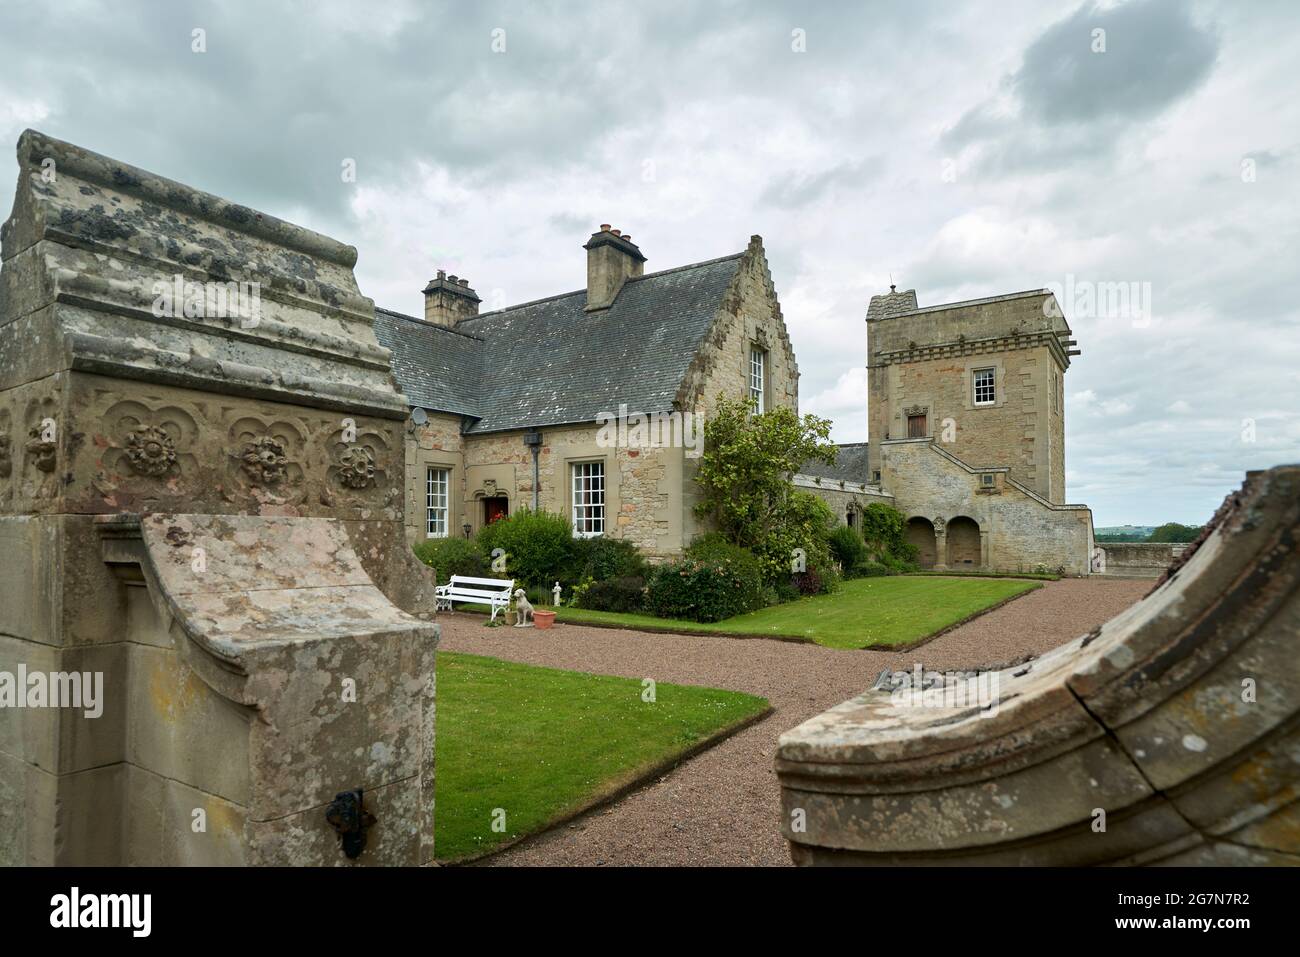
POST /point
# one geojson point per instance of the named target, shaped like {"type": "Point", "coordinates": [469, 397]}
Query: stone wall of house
{"type": "Point", "coordinates": [750, 316]}
{"type": "Point", "coordinates": [1018, 530]}
{"type": "Point", "coordinates": [437, 443]}
{"type": "Point", "coordinates": [925, 363]}
{"type": "Point", "coordinates": [643, 486]}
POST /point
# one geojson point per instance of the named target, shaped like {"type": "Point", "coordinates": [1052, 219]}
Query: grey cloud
{"type": "Point", "coordinates": [802, 189]}
{"type": "Point", "coordinates": [1155, 54]}
{"type": "Point", "coordinates": [1071, 102]}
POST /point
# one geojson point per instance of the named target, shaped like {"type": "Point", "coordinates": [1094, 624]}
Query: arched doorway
{"type": "Point", "coordinates": [963, 543]}
{"type": "Point", "coordinates": [920, 532]}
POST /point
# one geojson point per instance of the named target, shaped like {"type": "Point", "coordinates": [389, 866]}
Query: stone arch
{"type": "Point", "coordinates": [963, 543]}
{"type": "Point", "coordinates": [920, 532]}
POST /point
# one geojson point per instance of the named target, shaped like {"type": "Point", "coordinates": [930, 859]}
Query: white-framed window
{"type": "Point", "coordinates": [588, 499]}
{"type": "Point", "coordinates": [436, 484]}
{"type": "Point", "coordinates": [758, 378]}
{"type": "Point", "coordinates": [985, 390]}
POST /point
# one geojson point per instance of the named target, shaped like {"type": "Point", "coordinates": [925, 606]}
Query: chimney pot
{"type": "Point", "coordinates": [615, 232]}
{"type": "Point", "coordinates": [892, 287]}
{"type": "Point", "coordinates": [604, 227]}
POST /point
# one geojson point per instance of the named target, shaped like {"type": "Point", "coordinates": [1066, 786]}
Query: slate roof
{"type": "Point", "coordinates": [850, 465]}
{"type": "Point", "coordinates": [439, 369]}
{"type": "Point", "coordinates": [550, 363]}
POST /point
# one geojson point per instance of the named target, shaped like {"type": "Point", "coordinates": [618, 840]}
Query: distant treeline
{"type": "Point", "coordinates": [1169, 532]}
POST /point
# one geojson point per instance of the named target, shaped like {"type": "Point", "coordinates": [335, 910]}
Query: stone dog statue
{"type": "Point", "coordinates": [524, 608]}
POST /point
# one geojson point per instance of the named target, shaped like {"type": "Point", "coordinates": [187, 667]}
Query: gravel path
{"type": "Point", "coordinates": [720, 807]}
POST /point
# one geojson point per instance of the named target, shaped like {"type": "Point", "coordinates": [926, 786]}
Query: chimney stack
{"type": "Point", "coordinates": [448, 300]}
{"type": "Point", "coordinates": [612, 260]}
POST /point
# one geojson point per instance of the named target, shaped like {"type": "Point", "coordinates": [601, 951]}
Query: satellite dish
{"type": "Point", "coordinates": [419, 416]}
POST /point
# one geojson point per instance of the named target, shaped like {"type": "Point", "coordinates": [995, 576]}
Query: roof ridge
{"type": "Point", "coordinates": [702, 262]}
{"type": "Point", "coordinates": [523, 305]}
{"type": "Point", "coordinates": [401, 315]}
{"type": "Point", "coordinates": [576, 292]}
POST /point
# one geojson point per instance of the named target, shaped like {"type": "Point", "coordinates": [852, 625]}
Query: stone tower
{"type": "Point", "coordinates": [967, 430]}
{"type": "Point", "coordinates": [984, 379]}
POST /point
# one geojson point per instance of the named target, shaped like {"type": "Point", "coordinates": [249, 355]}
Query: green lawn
{"type": "Point", "coordinates": [864, 612]}
{"type": "Point", "coordinates": [542, 744]}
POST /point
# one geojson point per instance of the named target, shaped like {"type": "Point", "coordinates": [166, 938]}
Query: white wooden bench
{"type": "Point", "coordinates": [493, 592]}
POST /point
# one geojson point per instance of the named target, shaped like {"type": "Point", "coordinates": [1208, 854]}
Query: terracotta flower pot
{"type": "Point", "coordinates": [543, 619]}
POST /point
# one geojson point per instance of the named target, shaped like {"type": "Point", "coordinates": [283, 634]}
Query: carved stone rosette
{"type": "Point", "coordinates": [150, 450]}
{"type": "Point", "coordinates": [263, 461]}
{"type": "Point", "coordinates": [44, 452]}
{"type": "Point", "coordinates": [357, 467]}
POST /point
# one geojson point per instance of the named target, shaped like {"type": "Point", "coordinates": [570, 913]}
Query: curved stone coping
{"type": "Point", "coordinates": [241, 583]}
{"type": "Point", "coordinates": [34, 147]}
{"type": "Point", "coordinates": [1146, 720]}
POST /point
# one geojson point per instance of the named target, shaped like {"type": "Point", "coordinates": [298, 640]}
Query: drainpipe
{"type": "Point", "coordinates": [533, 439]}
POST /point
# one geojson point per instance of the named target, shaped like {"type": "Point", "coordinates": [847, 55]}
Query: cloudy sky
{"type": "Point", "coordinates": [963, 150]}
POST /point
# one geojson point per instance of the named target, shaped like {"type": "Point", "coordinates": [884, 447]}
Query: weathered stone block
{"type": "Point", "coordinates": [177, 481]}
{"type": "Point", "coordinates": [1167, 736]}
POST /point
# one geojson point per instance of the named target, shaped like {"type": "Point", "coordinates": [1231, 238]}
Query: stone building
{"type": "Point", "coordinates": [966, 419]}
{"type": "Point", "coordinates": [586, 403]}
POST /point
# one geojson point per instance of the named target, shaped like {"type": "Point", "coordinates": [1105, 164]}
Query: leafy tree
{"type": "Point", "coordinates": [744, 481]}
{"type": "Point", "coordinates": [1173, 532]}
